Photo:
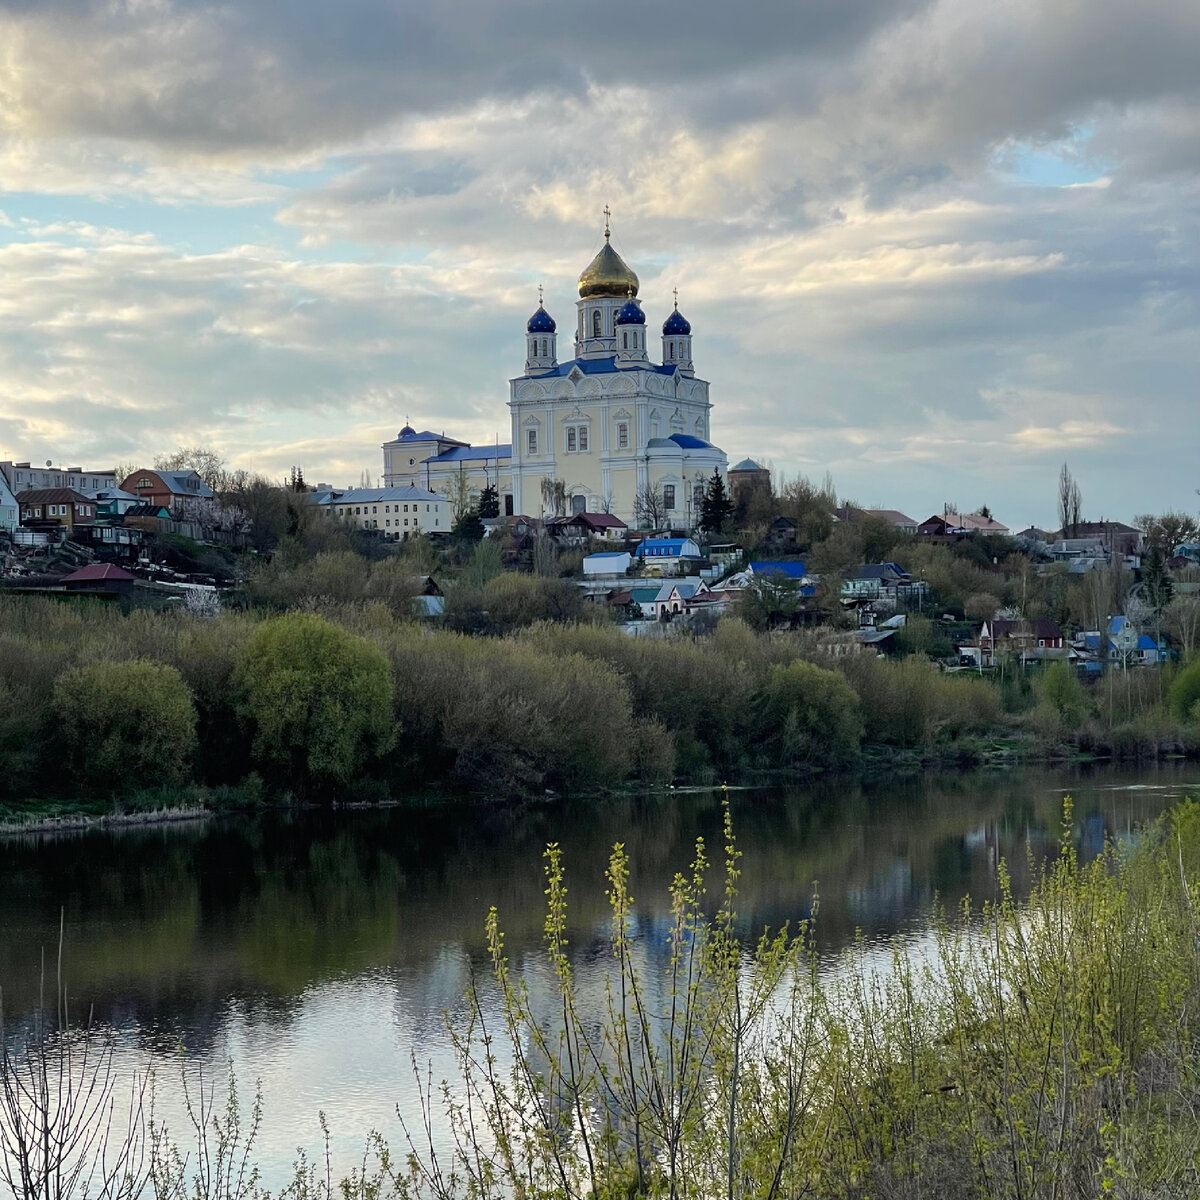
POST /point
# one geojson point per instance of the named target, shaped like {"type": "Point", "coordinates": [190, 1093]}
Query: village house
{"type": "Point", "coordinates": [55, 509]}
{"type": "Point", "coordinates": [170, 489]}
{"type": "Point", "coordinates": [99, 578]}
{"type": "Point", "coordinates": [1028, 640]}
{"type": "Point", "coordinates": [667, 556]}
{"type": "Point", "coordinates": [609, 562]}
{"type": "Point", "coordinates": [585, 526]}
{"type": "Point", "coordinates": [952, 524]}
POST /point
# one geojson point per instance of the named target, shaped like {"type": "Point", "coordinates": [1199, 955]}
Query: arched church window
{"type": "Point", "coordinates": [671, 347]}
{"type": "Point", "coordinates": [595, 322]}
{"type": "Point", "coordinates": [543, 347]}
{"type": "Point", "coordinates": [578, 505]}
{"type": "Point", "coordinates": [624, 340]}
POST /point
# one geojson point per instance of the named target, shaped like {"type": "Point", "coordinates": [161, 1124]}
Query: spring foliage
{"type": "Point", "coordinates": [318, 698]}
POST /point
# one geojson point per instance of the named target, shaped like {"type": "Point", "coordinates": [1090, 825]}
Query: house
{"type": "Point", "coordinates": [1118, 539]}
{"type": "Point", "coordinates": [49, 508]}
{"type": "Point", "coordinates": [171, 489]}
{"type": "Point", "coordinates": [895, 518]}
{"type": "Point", "coordinates": [99, 577]}
{"type": "Point", "coordinates": [587, 525]}
{"type": "Point", "coordinates": [874, 580]}
{"type": "Point", "coordinates": [397, 513]}
{"type": "Point", "coordinates": [113, 502]}
{"type": "Point", "coordinates": [779, 571]}
{"type": "Point", "coordinates": [674, 597]}
{"type": "Point", "coordinates": [21, 477]}
{"type": "Point", "coordinates": [781, 532]}
{"type": "Point", "coordinates": [666, 556]}
{"type": "Point", "coordinates": [1029, 640]}
{"type": "Point", "coordinates": [952, 524]}
{"type": "Point", "coordinates": [10, 512]}
{"type": "Point", "coordinates": [616, 562]}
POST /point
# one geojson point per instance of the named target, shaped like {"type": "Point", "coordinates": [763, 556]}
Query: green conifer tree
{"type": "Point", "coordinates": [716, 508]}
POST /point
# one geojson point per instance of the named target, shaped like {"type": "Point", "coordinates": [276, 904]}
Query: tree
{"type": "Point", "coordinates": [649, 507]}
{"type": "Point", "coordinates": [468, 527]}
{"type": "Point", "coordinates": [126, 725]}
{"type": "Point", "coordinates": [1070, 502]}
{"type": "Point", "coordinates": [489, 502]}
{"type": "Point", "coordinates": [554, 497]}
{"type": "Point", "coordinates": [716, 508]}
{"type": "Point", "coordinates": [807, 715]}
{"type": "Point", "coordinates": [208, 463]}
{"type": "Point", "coordinates": [1163, 533]}
{"type": "Point", "coordinates": [1157, 588]}
{"type": "Point", "coordinates": [1181, 620]}
{"type": "Point", "coordinates": [318, 697]}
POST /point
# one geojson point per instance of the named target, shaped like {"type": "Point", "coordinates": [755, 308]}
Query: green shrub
{"type": "Point", "coordinates": [125, 725]}
{"type": "Point", "coordinates": [805, 715]}
{"type": "Point", "coordinates": [1060, 689]}
{"type": "Point", "coordinates": [318, 698]}
{"type": "Point", "coordinates": [1184, 693]}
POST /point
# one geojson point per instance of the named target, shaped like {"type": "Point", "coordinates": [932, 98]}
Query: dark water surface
{"type": "Point", "coordinates": [318, 951]}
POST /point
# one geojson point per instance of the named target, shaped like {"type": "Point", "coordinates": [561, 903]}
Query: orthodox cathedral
{"type": "Point", "coordinates": [609, 423]}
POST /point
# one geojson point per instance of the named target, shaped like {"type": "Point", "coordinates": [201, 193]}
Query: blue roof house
{"type": "Point", "coordinates": [665, 556]}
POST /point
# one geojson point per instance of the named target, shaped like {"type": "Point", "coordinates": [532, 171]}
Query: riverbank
{"type": "Point", "coordinates": [912, 1052]}
{"type": "Point", "coordinates": [354, 704]}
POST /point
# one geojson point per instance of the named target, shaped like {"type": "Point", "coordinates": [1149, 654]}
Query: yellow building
{"type": "Point", "coordinates": [607, 430]}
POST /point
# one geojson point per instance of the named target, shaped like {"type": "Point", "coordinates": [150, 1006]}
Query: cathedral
{"type": "Point", "coordinates": [609, 425]}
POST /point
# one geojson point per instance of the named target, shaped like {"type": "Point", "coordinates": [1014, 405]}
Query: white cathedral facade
{"type": "Point", "coordinates": [607, 422]}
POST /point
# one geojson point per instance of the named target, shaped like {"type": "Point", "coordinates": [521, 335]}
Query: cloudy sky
{"type": "Point", "coordinates": [934, 248]}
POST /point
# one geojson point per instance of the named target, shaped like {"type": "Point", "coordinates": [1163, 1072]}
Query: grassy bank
{"type": "Point", "coordinates": [355, 703]}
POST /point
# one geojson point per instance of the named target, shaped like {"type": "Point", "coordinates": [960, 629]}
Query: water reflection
{"type": "Point", "coordinates": [318, 951]}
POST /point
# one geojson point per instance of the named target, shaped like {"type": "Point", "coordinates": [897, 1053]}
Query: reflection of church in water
{"type": "Point", "coordinates": [608, 422]}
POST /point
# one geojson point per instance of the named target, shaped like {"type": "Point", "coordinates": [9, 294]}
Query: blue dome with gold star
{"type": "Point", "coordinates": [630, 314]}
{"type": "Point", "coordinates": [540, 322]}
{"type": "Point", "coordinates": [677, 324]}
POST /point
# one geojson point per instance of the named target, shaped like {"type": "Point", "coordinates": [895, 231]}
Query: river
{"type": "Point", "coordinates": [318, 951]}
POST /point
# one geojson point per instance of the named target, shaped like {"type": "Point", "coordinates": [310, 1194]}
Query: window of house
{"type": "Point", "coordinates": [531, 441]}
{"type": "Point", "coordinates": [374, 508]}
{"type": "Point", "coordinates": [427, 508]}
{"type": "Point", "coordinates": [595, 322]}
{"type": "Point", "coordinates": [668, 495]}
{"type": "Point", "coordinates": [508, 505]}
{"type": "Point", "coordinates": [405, 520]}
{"type": "Point", "coordinates": [622, 435]}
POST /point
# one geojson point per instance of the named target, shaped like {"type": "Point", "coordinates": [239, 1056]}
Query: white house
{"type": "Point", "coordinates": [668, 556]}
{"type": "Point", "coordinates": [396, 512]}
{"type": "Point", "coordinates": [615, 562]}
{"type": "Point", "coordinates": [674, 596]}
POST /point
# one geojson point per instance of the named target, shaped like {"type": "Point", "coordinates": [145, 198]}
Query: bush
{"type": "Point", "coordinates": [125, 725]}
{"type": "Point", "coordinates": [1063, 693]}
{"type": "Point", "coordinates": [805, 715]}
{"type": "Point", "coordinates": [318, 697]}
{"type": "Point", "coordinates": [1184, 693]}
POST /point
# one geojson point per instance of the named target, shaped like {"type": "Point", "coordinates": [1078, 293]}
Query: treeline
{"type": "Point", "coordinates": [356, 700]}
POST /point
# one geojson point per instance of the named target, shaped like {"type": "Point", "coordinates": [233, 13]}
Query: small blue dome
{"type": "Point", "coordinates": [676, 323]}
{"type": "Point", "coordinates": [540, 322]}
{"type": "Point", "coordinates": [630, 314]}
{"type": "Point", "coordinates": [407, 432]}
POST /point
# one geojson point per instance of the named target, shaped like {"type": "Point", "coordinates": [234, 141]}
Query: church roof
{"type": "Point", "coordinates": [747, 464]}
{"type": "Point", "coordinates": [540, 322]}
{"type": "Point", "coordinates": [601, 366]}
{"type": "Point", "coordinates": [472, 453]}
{"type": "Point", "coordinates": [408, 434]}
{"type": "Point", "coordinates": [676, 323]}
{"type": "Point", "coordinates": [608, 274]}
{"type": "Point", "coordinates": [630, 314]}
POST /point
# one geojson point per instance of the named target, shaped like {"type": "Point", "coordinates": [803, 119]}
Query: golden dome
{"type": "Point", "coordinates": [607, 275]}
